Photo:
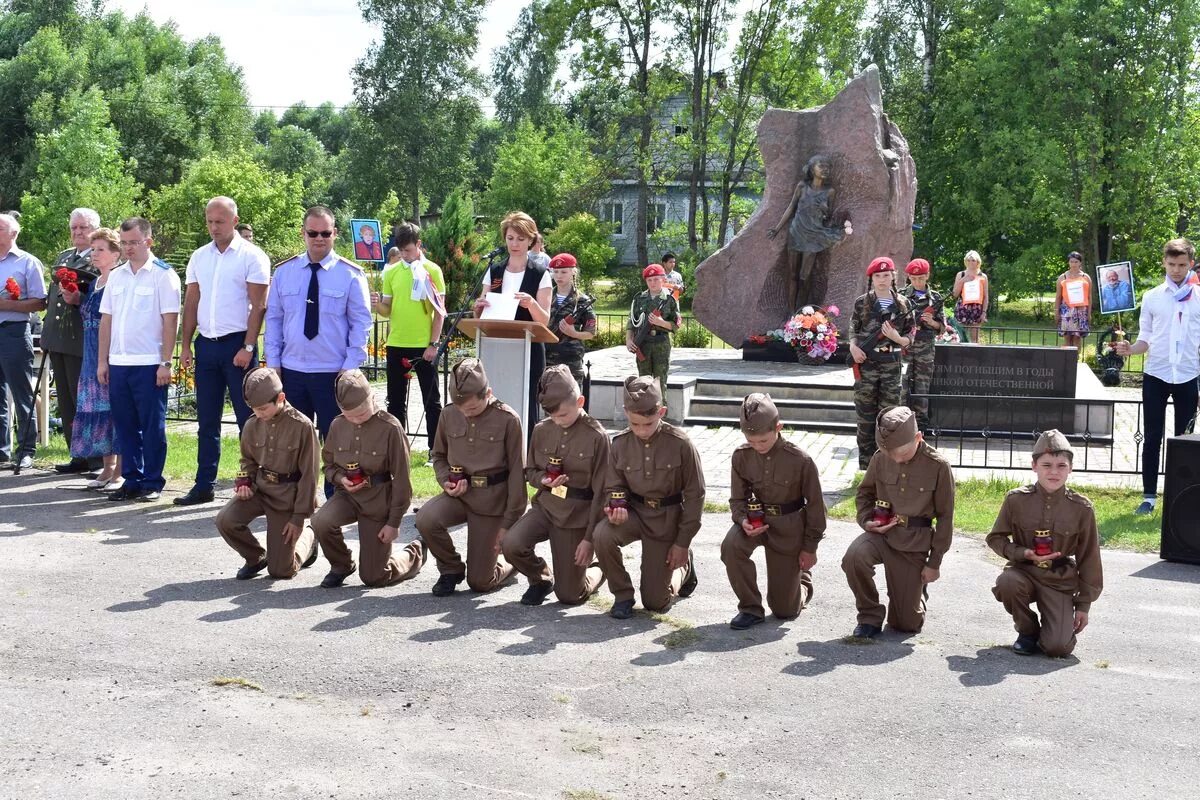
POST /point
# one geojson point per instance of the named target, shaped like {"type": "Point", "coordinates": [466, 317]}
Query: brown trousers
{"type": "Point", "coordinates": [377, 566]}
{"type": "Point", "coordinates": [785, 579]}
{"type": "Point", "coordinates": [659, 585]}
{"type": "Point", "coordinates": [901, 569]}
{"type": "Point", "coordinates": [572, 584]}
{"type": "Point", "coordinates": [485, 569]}
{"type": "Point", "coordinates": [1056, 631]}
{"type": "Point", "coordinates": [283, 559]}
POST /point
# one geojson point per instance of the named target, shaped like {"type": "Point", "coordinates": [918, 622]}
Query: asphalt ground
{"type": "Point", "coordinates": [117, 621]}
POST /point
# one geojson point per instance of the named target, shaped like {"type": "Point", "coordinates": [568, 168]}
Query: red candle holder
{"type": "Point", "coordinates": [354, 474]}
{"type": "Point", "coordinates": [755, 515]}
{"type": "Point", "coordinates": [242, 480]}
{"type": "Point", "coordinates": [570, 320]}
{"type": "Point", "coordinates": [1043, 543]}
{"type": "Point", "coordinates": [554, 469]}
{"type": "Point", "coordinates": [883, 512]}
{"type": "Point", "coordinates": [457, 475]}
{"type": "Point", "coordinates": [617, 500]}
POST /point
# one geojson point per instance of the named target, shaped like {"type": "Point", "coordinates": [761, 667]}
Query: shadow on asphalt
{"type": "Point", "coordinates": [827, 656]}
{"type": "Point", "coordinates": [992, 665]}
{"type": "Point", "coordinates": [1170, 571]}
{"type": "Point", "coordinates": [192, 592]}
{"type": "Point", "coordinates": [715, 638]}
{"type": "Point", "coordinates": [554, 627]}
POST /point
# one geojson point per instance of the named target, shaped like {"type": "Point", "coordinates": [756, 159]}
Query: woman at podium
{"type": "Point", "coordinates": [519, 276]}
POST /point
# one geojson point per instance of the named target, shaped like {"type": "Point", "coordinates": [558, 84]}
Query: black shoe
{"type": "Point", "coordinates": [334, 580]}
{"type": "Point", "coordinates": [195, 497]}
{"type": "Point", "coordinates": [248, 571]}
{"type": "Point", "coordinates": [124, 493]}
{"type": "Point", "coordinates": [312, 556]}
{"type": "Point", "coordinates": [622, 609]}
{"type": "Point", "coordinates": [75, 465]}
{"type": "Point", "coordinates": [446, 584]}
{"type": "Point", "coordinates": [745, 620]}
{"type": "Point", "coordinates": [691, 581]}
{"type": "Point", "coordinates": [537, 593]}
{"type": "Point", "coordinates": [865, 631]}
{"type": "Point", "coordinates": [1026, 646]}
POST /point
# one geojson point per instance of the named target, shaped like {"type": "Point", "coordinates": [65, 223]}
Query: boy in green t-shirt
{"type": "Point", "coordinates": [413, 299]}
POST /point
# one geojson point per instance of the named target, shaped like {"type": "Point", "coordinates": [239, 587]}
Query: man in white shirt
{"type": "Point", "coordinates": [226, 299]}
{"type": "Point", "coordinates": [138, 324]}
{"type": "Point", "coordinates": [1169, 331]}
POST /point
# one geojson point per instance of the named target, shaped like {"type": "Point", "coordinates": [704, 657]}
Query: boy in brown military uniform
{"type": "Point", "coordinates": [916, 487]}
{"type": "Point", "coordinates": [568, 504]}
{"type": "Point", "coordinates": [1048, 534]}
{"type": "Point", "coordinates": [657, 471]}
{"type": "Point", "coordinates": [279, 459]}
{"type": "Point", "coordinates": [366, 460]}
{"type": "Point", "coordinates": [778, 481]}
{"type": "Point", "coordinates": [480, 440]}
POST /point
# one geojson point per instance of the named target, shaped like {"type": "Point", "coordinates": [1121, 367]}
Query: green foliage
{"type": "Point", "coordinates": [613, 337]}
{"type": "Point", "coordinates": [523, 68]}
{"type": "Point", "coordinates": [693, 334]}
{"type": "Point", "coordinates": [78, 165]}
{"type": "Point", "coordinates": [295, 151]}
{"type": "Point", "coordinates": [586, 238]}
{"type": "Point", "coordinates": [270, 201]}
{"type": "Point", "coordinates": [627, 284]}
{"type": "Point", "coordinates": [453, 244]}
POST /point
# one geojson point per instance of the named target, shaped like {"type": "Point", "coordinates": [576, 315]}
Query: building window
{"type": "Point", "coordinates": [614, 215]}
{"type": "Point", "coordinates": [656, 217]}
{"type": "Point", "coordinates": [681, 130]}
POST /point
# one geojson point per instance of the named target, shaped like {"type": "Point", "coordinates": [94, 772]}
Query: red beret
{"type": "Point", "coordinates": [654, 269]}
{"type": "Point", "coordinates": [881, 264]}
{"type": "Point", "coordinates": [563, 261]}
{"type": "Point", "coordinates": [918, 266]}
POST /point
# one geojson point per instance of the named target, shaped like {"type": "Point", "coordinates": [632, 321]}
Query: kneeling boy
{"type": "Point", "coordinates": [278, 481]}
{"type": "Point", "coordinates": [366, 460]}
{"type": "Point", "coordinates": [655, 474]}
{"type": "Point", "coordinates": [776, 501]}
{"type": "Point", "coordinates": [1048, 534]}
{"type": "Point", "coordinates": [568, 465]}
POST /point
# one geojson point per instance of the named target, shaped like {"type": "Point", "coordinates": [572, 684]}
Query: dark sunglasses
{"type": "Point", "coordinates": [322, 234]}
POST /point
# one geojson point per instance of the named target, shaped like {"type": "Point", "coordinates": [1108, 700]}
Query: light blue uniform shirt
{"type": "Point", "coordinates": [341, 341]}
{"type": "Point", "coordinates": [27, 270]}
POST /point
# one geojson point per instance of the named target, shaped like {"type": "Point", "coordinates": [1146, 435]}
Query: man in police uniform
{"type": "Point", "coordinates": [930, 320]}
{"type": "Point", "coordinates": [655, 312]}
{"type": "Point", "coordinates": [916, 484]}
{"type": "Point", "coordinates": [366, 458]}
{"type": "Point", "coordinates": [656, 468]}
{"type": "Point", "coordinates": [1066, 577]}
{"type": "Point", "coordinates": [566, 508]}
{"type": "Point", "coordinates": [479, 438]}
{"type": "Point", "coordinates": [62, 332]}
{"type": "Point", "coordinates": [780, 480]}
{"type": "Point", "coordinates": [279, 462]}
{"type": "Point", "coordinates": [877, 328]}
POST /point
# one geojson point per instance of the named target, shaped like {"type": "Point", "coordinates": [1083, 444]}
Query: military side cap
{"type": "Point", "coordinates": [563, 261]}
{"type": "Point", "coordinates": [556, 386]}
{"type": "Point", "coordinates": [261, 386]}
{"type": "Point", "coordinates": [881, 264]}
{"type": "Point", "coordinates": [654, 269]}
{"type": "Point", "coordinates": [759, 414]}
{"type": "Point", "coordinates": [467, 380]}
{"type": "Point", "coordinates": [895, 427]}
{"type": "Point", "coordinates": [1052, 441]}
{"type": "Point", "coordinates": [352, 389]}
{"type": "Point", "coordinates": [642, 395]}
{"type": "Point", "coordinates": [918, 266]}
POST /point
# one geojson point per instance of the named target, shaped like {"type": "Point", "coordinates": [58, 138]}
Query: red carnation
{"type": "Point", "coordinates": [14, 291]}
{"type": "Point", "coordinates": [407, 366]}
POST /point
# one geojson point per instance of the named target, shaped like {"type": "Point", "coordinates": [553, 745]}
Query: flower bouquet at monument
{"type": "Point", "coordinates": [812, 333]}
{"type": "Point", "coordinates": [949, 334]}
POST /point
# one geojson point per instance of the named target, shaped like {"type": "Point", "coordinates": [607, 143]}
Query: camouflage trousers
{"type": "Point", "coordinates": [657, 350]}
{"type": "Point", "coordinates": [918, 380]}
{"type": "Point", "coordinates": [878, 388]}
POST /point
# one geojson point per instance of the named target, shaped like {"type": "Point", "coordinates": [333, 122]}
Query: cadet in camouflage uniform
{"type": "Point", "coordinates": [657, 313]}
{"type": "Point", "coordinates": [875, 350]}
{"type": "Point", "coordinates": [571, 317]}
{"type": "Point", "coordinates": [930, 320]}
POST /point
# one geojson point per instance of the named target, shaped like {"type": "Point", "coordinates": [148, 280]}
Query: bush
{"type": "Point", "coordinates": [605, 339]}
{"type": "Point", "coordinates": [692, 334]}
{"type": "Point", "coordinates": [586, 238]}
{"type": "Point", "coordinates": [627, 284]}
{"type": "Point", "coordinates": [453, 244]}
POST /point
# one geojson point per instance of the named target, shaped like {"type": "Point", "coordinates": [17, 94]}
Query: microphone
{"type": "Point", "coordinates": [495, 252]}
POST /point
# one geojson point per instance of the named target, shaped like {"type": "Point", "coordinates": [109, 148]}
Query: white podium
{"type": "Point", "coordinates": [503, 347]}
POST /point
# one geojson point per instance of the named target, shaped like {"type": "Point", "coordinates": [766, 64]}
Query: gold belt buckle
{"type": "Point", "coordinates": [272, 477]}
{"type": "Point", "coordinates": [653, 502]}
{"type": "Point", "coordinates": [1043, 565]}
{"type": "Point", "coordinates": [479, 481]}
{"type": "Point", "coordinates": [559, 492]}
{"type": "Point", "coordinates": [902, 520]}
{"type": "Point", "coordinates": [774, 511]}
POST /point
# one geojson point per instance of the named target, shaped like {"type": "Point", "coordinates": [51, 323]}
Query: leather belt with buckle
{"type": "Point", "coordinates": [483, 481]}
{"type": "Point", "coordinates": [915, 522]}
{"type": "Point", "coordinates": [278, 477]}
{"type": "Point", "coordinates": [569, 493]}
{"type": "Point", "coordinates": [780, 509]}
{"type": "Point", "coordinates": [656, 502]}
{"type": "Point", "coordinates": [378, 478]}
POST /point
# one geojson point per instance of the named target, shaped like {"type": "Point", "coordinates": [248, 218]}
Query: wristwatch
{"type": "Point", "coordinates": [249, 348]}
{"type": "Point", "coordinates": [433, 344]}
{"type": "Point", "coordinates": [164, 363]}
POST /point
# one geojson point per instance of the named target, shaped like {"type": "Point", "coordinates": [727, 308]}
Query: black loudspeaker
{"type": "Point", "coordinates": [1181, 501]}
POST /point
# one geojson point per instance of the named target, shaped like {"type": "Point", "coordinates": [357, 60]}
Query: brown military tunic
{"type": "Point", "coordinates": [485, 446]}
{"type": "Point", "coordinates": [1070, 584]}
{"type": "Point", "coordinates": [784, 475]}
{"type": "Point", "coordinates": [555, 514]}
{"type": "Point", "coordinates": [380, 449]}
{"type": "Point", "coordinates": [923, 487]}
{"type": "Point", "coordinates": [284, 445]}
{"type": "Point", "coordinates": [663, 467]}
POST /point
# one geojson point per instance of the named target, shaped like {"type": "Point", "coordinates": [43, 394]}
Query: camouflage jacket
{"type": "Point", "coordinates": [932, 299]}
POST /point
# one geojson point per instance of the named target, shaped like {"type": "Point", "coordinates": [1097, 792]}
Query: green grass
{"type": "Point", "coordinates": [977, 502]}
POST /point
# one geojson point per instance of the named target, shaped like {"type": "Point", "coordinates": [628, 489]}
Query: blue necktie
{"type": "Point", "coordinates": [312, 308]}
